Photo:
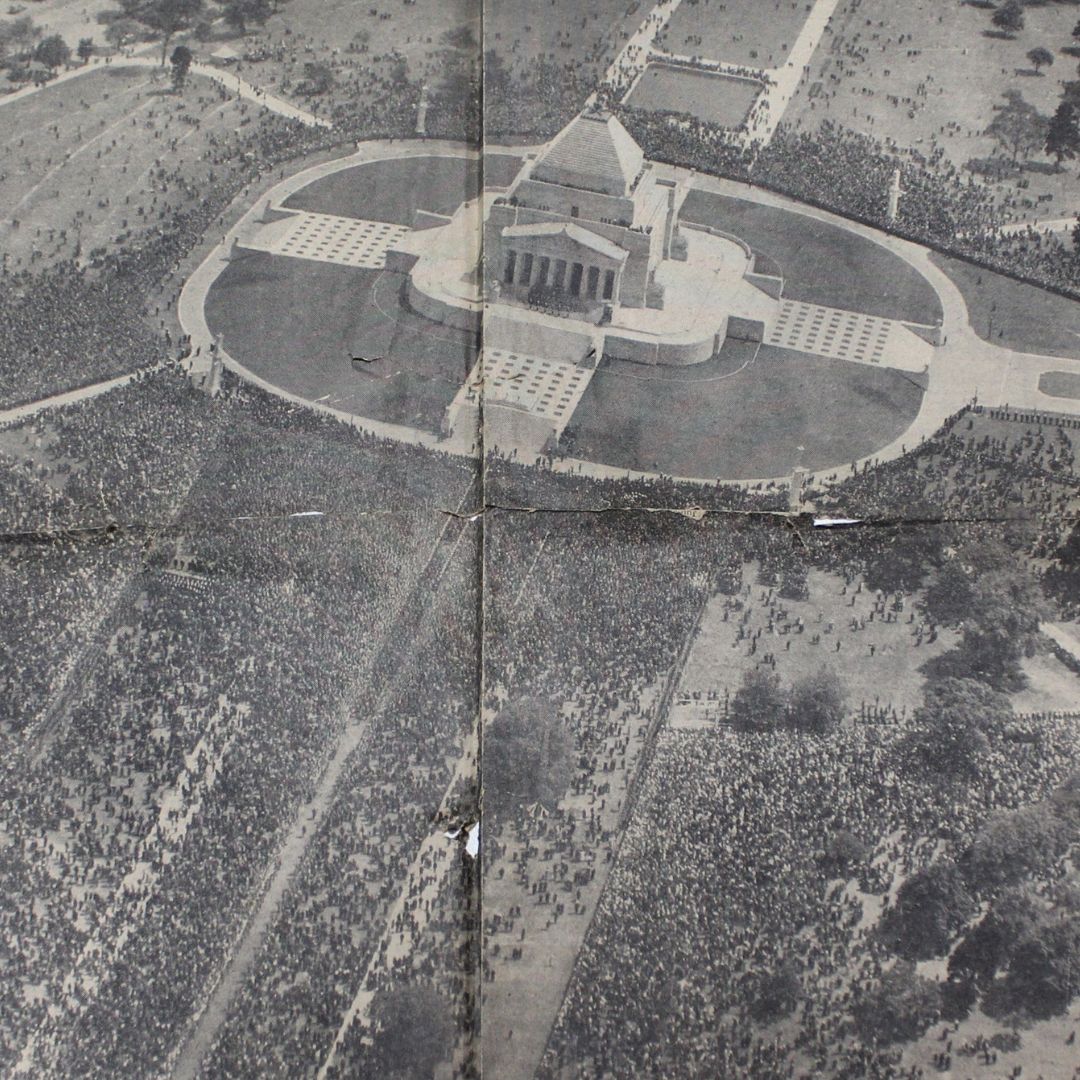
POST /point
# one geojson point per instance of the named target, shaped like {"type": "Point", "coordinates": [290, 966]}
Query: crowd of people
{"type": "Point", "coordinates": [204, 700]}
{"type": "Point", "coordinates": [265, 582]}
{"type": "Point", "coordinates": [720, 880]}
{"type": "Point", "coordinates": [371, 909]}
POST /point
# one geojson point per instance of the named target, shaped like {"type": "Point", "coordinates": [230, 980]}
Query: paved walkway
{"type": "Point", "coordinates": [31, 409]}
{"type": "Point", "coordinates": [228, 79]}
{"type": "Point", "coordinates": [193, 1050]}
{"type": "Point", "coordinates": [633, 58]}
{"type": "Point", "coordinates": [328, 238]}
{"type": "Point", "coordinates": [784, 81]}
{"type": "Point", "coordinates": [849, 335]}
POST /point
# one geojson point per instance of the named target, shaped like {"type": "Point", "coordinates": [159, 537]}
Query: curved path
{"type": "Point", "coordinates": [963, 370]}
{"type": "Point", "coordinates": [227, 79]}
{"type": "Point", "coordinates": [192, 314]}
{"type": "Point", "coordinates": [18, 413]}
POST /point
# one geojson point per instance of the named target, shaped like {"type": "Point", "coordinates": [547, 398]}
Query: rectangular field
{"type": "Point", "coordinates": [717, 99]}
{"type": "Point", "coordinates": [757, 33]}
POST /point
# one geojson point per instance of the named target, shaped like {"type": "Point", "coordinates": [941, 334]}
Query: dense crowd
{"type": "Point", "coordinates": [203, 705]}
{"type": "Point", "coordinates": [372, 906]}
{"type": "Point", "coordinates": [283, 589]}
{"type": "Point", "coordinates": [720, 880]}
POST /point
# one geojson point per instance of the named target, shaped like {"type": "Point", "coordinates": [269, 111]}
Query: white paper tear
{"type": "Point", "coordinates": [472, 841]}
{"type": "Point", "coordinates": [831, 523]}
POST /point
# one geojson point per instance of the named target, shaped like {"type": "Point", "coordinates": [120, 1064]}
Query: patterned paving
{"type": "Point", "coordinates": [547, 388]}
{"type": "Point", "coordinates": [327, 238]}
{"type": "Point", "coordinates": [847, 335]}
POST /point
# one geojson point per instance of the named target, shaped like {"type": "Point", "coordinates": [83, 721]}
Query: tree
{"type": "Point", "coordinates": [758, 704]}
{"type": "Point", "coordinates": [843, 852]}
{"type": "Point", "coordinates": [19, 35]}
{"type": "Point", "coordinates": [776, 994]}
{"type": "Point", "coordinates": [1076, 32]}
{"type": "Point", "coordinates": [240, 14]}
{"type": "Point", "coordinates": [952, 726]}
{"type": "Point", "coordinates": [1018, 126]}
{"type": "Point", "coordinates": [181, 60]}
{"type": "Point", "coordinates": [1063, 133]}
{"type": "Point", "coordinates": [1016, 844]}
{"type": "Point", "coordinates": [931, 908]}
{"type": "Point", "coordinates": [52, 51]}
{"type": "Point", "coordinates": [1009, 17]}
{"type": "Point", "coordinates": [461, 37]}
{"type": "Point", "coordinates": [1065, 800]}
{"type": "Point", "coordinates": [164, 17]}
{"type": "Point", "coordinates": [818, 702]}
{"type": "Point", "coordinates": [528, 757]}
{"type": "Point", "coordinates": [85, 49]}
{"type": "Point", "coordinates": [987, 947]}
{"type": "Point", "coordinates": [900, 1007]}
{"type": "Point", "coordinates": [318, 77]}
{"type": "Point", "coordinates": [414, 1032]}
{"type": "Point", "coordinates": [1002, 628]}
{"type": "Point", "coordinates": [1040, 57]}
{"type": "Point", "coordinates": [121, 32]}
{"type": "Point", "coordinates": [1044, 972]}
{"type": "Point", "coordinates": [949, 597]}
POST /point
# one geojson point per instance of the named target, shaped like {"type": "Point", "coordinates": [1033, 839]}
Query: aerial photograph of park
{"type": "Point", "coordinates": [540, 539]}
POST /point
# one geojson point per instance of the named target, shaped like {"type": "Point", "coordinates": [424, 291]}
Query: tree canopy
{"type": "Point", "coordinates": [164, 17]}
{"type": "Point", "coordinates": [1063, 133]}
{"type": "Point", "coordinates": [931, 908]}
{"type": "Point", "coordinates": [1015, 844]}
{"type": "Point", "coordinates": [1044, 972]}
{"type": "Point", "coordinates": [818, 702]}
{"type": "Point", "coordinates": [1018, 126]}
{"type": "Point", "coordinates": [1040, 57]}
{"type": "Point", "coordinates": [759, 704]}
{"type": "Point", "coordinates": [414, 1032]}
{"type": "Point", "coordinates": [900, 1007]}
{"type": "Point", "coordinates": [1009, 17]}
{"type": "Point", "coordinates": [987, 947]}
{"type": "Point", "coordinates": [52, 51]}
{"type": "Point", "coordinates": [950, 737]}
{"type": "Point", "coordinates": [240, 14]}
{"type": "Point", "coordinates": [528, 757]}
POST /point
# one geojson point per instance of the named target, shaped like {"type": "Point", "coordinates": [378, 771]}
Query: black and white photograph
{"type": "Point", "coordinates": [539, 540]}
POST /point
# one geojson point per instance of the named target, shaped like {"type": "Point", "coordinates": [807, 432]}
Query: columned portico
{"type": "Point", "coordinates": [547, 261]}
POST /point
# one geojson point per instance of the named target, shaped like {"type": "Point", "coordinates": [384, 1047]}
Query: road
{"type": "Point", "coordinates": [227, 79]}
{"type": "Point", "coordinates": [406, 635]}
{"type": "Point", "coordinates": [30, 409]}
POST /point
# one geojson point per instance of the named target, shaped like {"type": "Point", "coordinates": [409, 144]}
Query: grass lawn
{"type": "Point", "coordinates": [1063, 384]}
{"type": "Point", "coordinates": [585, 37]}
{"type": "Point", "coordinates": [393, 189]}
{"type": "Point", "coordinates": [297, 323]}
{"type": "Point", "coordinates": [822, 263]}
{"type": "Point", "coordinates": [1016, 315]}
{"type": "Point", "coordinates": [891, 677]}
{"type": "Point", "coordinates": [929, 75]}
{"type": "Point", "coordinates": [782, 410]}
{"type": "Point", "coordinates": [757, 33]}
{"type": "Point", "coordinates": [109, 130]}
{"type": "Point", "coordinates": [717, 99]}
{"type": "Point", "coordinates": [326, 30]}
